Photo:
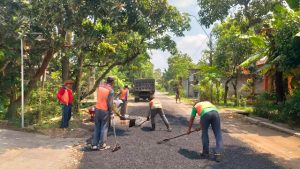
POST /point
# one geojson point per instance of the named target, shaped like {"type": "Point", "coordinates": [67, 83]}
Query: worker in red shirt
{"type": "Point", "coordinates": [123, 95]}
{"type": "Point", "coordinates": [65, 98]}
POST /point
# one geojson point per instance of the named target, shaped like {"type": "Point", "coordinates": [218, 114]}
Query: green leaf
{"type": "Point", "coordinates": [253, 59]}
{"type": "Point", "coordinates": [265, 69]}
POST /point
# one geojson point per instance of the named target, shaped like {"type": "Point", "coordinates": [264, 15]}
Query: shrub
{"type": "Point", "coordinates": [291, 109]}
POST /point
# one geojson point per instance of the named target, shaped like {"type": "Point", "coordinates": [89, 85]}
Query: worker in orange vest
{"type": "Point", "coordinates": [208, 116]}
{"type": "Point", "coordinates": [156, 108]}
{"type": "Point", "coordinates": [123, 95]}
{"type": "Point", "coordinates": [65, 97]}
{"type": "Point", "coordinates": [105, 96]}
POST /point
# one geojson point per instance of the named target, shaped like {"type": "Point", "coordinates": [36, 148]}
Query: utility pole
{"type": "Point", "coordinates": [211, 64]}
{"type": "Point", "coordinates": [210, 45]}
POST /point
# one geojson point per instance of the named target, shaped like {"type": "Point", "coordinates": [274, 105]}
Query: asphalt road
{"type": "Point", "coordinates": [139, 148]}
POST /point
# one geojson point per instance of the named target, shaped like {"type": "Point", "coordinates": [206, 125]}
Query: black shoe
{"type": "Point", "coordinates": [153, 127]}
{"type": "Point", "coordinates": [204, 155]}
{"type": "Point", "coordinates": [218, 157]}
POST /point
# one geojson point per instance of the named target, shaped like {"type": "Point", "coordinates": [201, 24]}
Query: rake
{"type": "Point", "coordinates": [168, 139]}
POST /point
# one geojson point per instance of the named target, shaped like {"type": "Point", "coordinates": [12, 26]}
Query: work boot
{"type": "Point", "coordinates": [153, 127]}
{"type": "Point", "coordinates": [104, 147]}
{"type": "Point", "coordinates": [204, 155]}
{"type": "Point", "coordinates": [218, 157]}
{"type": "Point", "coordinates": [94, 147]}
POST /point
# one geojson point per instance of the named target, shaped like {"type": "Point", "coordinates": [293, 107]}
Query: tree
{"type": "Point", "coordinates": [252, 10]}
{"type": "Point", "coordinates": [178, 68]}
{"type": "Point", "coordinates": [81, 34]}
{"type": "Point", "coordinates": [227, 57]}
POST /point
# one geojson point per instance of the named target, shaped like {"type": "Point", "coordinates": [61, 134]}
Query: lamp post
{"type": "Point", "coordinates": [22, 82]}
{"type": "Point", "coordinates": [39, 38]}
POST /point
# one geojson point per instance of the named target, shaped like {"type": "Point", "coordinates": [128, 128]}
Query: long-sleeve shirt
{"type": "Point", "coordinates": [61, 92]}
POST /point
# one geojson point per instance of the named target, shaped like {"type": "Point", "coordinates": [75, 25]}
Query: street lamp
{"type": "Point", "coordinates": [39, 38]}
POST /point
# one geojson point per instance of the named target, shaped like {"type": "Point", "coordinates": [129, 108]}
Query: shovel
{"type": "Point", "coordinates": [168, 139]}
{"type": "Point", "coordinates": [117, 145]}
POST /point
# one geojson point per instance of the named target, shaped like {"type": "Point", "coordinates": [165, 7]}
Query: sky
{"type": "Point", "coordinates": [194, 41]}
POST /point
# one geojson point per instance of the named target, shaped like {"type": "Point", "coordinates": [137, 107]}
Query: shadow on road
{"type": "Point", "coordinates": [190, 154]}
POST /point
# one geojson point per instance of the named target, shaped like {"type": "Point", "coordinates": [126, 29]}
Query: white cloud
{"type": "Point", "coordinates": [183, 3]}
{"type": "Point", "coordinates": [159, 59]}
{"type": "Point", "coordinates": [193, 45]}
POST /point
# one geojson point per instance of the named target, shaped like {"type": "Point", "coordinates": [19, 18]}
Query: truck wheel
{"type": "Point", "coordinates": [136, 99]}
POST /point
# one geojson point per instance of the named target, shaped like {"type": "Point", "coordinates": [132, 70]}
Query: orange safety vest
{"type": "Point", "coordinates": [65, 97]}
{"type": "Point", "coordinates": [155, 104]}
{"type": "Point", "coordinates": [102, 97]}
{"type": "Point", "coordinates": [123, 94]}
{"type": "Point", "coordinates": [203, 105]}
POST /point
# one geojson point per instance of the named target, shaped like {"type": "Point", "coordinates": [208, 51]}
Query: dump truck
{"type": "Point", "coordinates": [143, 89]}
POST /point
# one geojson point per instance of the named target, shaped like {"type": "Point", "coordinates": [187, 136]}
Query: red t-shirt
{"type": "Point", "coordinates": [62, 91]}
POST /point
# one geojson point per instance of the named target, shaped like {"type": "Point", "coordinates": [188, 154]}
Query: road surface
{"type": "Point", "coordinates": [247, 146]}
{"type": "Point", "coordinates": [139, 148]}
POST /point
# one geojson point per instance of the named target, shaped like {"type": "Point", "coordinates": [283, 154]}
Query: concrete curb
{"type": "Point", "coordinates": [272, 126]}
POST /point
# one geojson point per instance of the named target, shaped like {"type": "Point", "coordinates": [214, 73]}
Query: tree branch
{"type": "Point", "coordinates": [126, 61]}
{"type": "Point", "coordinates": [4, 66]}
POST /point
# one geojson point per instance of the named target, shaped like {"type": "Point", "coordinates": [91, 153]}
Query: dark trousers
{"type": "Point", "coordinates": [212, 118]}
{"type": "Point", "coordinates": [101, 127]}
{"type": "Point", "coordinates": [159, 111]}
{"type": "Point", "coordinates": [66, 116]}
{"type": "Point", "coordinates": [124, 108]}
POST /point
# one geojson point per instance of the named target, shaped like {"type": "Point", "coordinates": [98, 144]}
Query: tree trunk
{"type": "Point", "coordinates": [226, 90]}
{"type": "Point", "coordinates": [77, 84]}
{"type": "Point", "coordinates": [65, 65]}
{"type": "Point", "coordinates": [253, 89]}
{"type": "Point", "coordinates": [12, 108]}
{"type": "Point", "coordinates": [235, 87]}
{"type": "Point", "coordinates": [280, 94]}
{"type": "Point", "coordinates": [218, 91]}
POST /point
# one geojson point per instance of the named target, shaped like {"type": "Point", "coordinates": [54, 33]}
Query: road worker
{"type": "Point", "coordinates": [123, 95]}
{"type": "Point", "coordinates": [177, 92]}
{"type": "Point", "coordinates": [208, 116]}
{"type": "Point", "coordinates": [156, 108]}
{"type": "Point", "coordinates": [105, 95]}
{"type": "Point", "coordinates": [65, 97]}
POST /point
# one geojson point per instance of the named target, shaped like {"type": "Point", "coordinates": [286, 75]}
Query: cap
{"type": "Point", "coordinates": [68, 82]}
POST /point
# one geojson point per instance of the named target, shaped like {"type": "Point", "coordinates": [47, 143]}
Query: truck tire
{"type": "Point", "coordinates": [136, 99]}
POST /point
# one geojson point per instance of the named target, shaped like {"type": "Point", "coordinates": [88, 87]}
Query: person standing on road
{"type": "Point", "coordinates": [105, 95]}
{"type": "Point", "coordinates": [208, 116]}
{"type": "Point", "coordinates": [124, 97]}
{"type": "Point", "coordinates": [65, 97]}
{"type": "Point", "coordinates": [156, 108]}
{"type": "Point", "coordinates": [177, 92]}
